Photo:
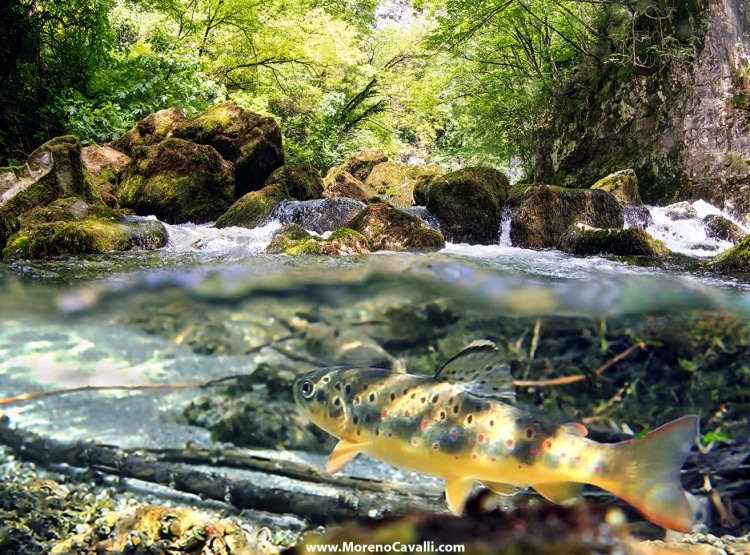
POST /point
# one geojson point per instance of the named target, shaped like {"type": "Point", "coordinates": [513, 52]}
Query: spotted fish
{"type": "Point", "coordinates": [461, 424]}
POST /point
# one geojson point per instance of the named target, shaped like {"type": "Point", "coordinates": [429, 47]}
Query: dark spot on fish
{"type": "Point", "coordinates": [483, 382]}
{"type": "Point", "coordinates": [423, 399]}
{"type": "Point", "coordinates": [442, 415]}
{"type": "Point", "coordinates": [469, 419]}
{"type": "Point", "coordinates": [393, 396]}
{"type": "Point", "coordinates": [435, 399]}
{"type": "Point", "coordinates": [321, 396]}
{"type": "Point", "coordinates": [413, 395]}
{"type": "Point", "coordinates": [326, 379]}
{"type": "Point", "coordinates": [365, 386]}
{"type": "Point", "coordinates": [492, 423]}
{"type": "Point", "coordinates": [495, 389]}
{"type": "Point", "coordinates": [337, 387]}
{"type": "Point", "coordinates": [455, 409]}
{"type": "Point", "coordinates": [368, 418]}
{"type": "Point", "coordinates": [529, 433]}
{"type": "Point", "coordinates": [377, 432]}
{"type": "Point", "coordinates": [359, 432]}
{"type": "Point", "coordinates": [355, 420]}
{"type": "Point", "coordinates": [348, 389]}
{"type": "Point", "coordinates": [337, 401]}
{"type": "Point", "coordinates": [372, 397]}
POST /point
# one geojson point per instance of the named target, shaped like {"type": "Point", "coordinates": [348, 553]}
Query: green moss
{"type": "Point", "coordinates": [46, 239]}
{"type": "Point", "coordinates": [620, 242]}
{"type": "Point", "coordinates": [734, 260]}
{"type": "Point", "coordinates": [468, 204]}
{"type": "Point", "coordinates": [387, 228]}
{"type": "Point", "coordinates": [623, 185]}
{"type": "Point", "coordinates": [252, 209]}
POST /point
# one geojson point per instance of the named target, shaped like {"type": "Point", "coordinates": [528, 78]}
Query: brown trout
{"type": "Point", "coordinates": [461, 425]}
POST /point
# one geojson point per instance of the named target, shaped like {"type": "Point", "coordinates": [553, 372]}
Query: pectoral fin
{"type": "Point", "coordinates": [500, 488]}
{"type": "Point", "coordinates": [457, 490]}
{"type": "Point", "coordinates": [343, 454]}
{"type": "Point", "coordinates": [559, 492]}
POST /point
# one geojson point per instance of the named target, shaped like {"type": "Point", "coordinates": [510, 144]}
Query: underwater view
{"type": "Point", "coordinates": [162, 384]}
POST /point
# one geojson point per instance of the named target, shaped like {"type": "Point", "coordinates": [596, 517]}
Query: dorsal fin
{"type": "Point", "coordinates": [480, 369]}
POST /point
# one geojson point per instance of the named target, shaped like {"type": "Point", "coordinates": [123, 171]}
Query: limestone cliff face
{"type": "Point", "coordinates": [685, 133]}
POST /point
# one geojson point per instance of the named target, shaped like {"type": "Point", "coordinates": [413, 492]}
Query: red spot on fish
{"type": "Point", "coordinates": [597, 468]}
{"type": "Point", "coordinates": [356, 400]}
{"type": "Point", "coordinates": [534, 452]}
{"type": "Point", "coordinates": [384, 414]}
{"type": "Point", "coordinates": [407, 413]}
{"type": "Point", "coordinates": [493, 459]}
{"type": "Point", "coordinates": [473, 455]}
{"type": "Point", "coordinates": [436, 446]}
{"type": "Point", "coordinates": [425, 424]}
{"type": "Point", "coordinates": [414, 441]}
{"type": "Point", "coordinates": [548, 444]}
{"type": "Point", "coordinates": [390, 434]}
{"type": "Point", "coordinates": [480, 438]}
{"type": "Point", "coordinates": [509, 442]}
{"type": "Point", "coordinates": [454, 433]}
{"type": "Point", "coordinates": [520, 466]}
{"type": "Point", "coordinates": [576, 459]}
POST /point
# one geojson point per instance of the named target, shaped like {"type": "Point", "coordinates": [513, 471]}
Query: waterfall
{"type": "Point", "coordinates": [505, 217]}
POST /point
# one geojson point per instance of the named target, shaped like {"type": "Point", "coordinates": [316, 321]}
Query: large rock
{"type": "Point", "coordinates": [250, 141]}
{"type": "Point", "coordinates": [542, 214]}
{"type": "Point", "coordinates": [294, 240]}
{"type": "Point", "coordinates": [69, 227]}
{"type": "Point", "coordinates": [388, 228]}
{"type": "Point", "coordinates": [151, 130]}
{"type": "Point", "coordinates": [103, 167]}
{"type": "Point", "coordinates": [361, 163]}
{"type": "Point", "coordinates": [340, 183]}
{"type": "Point", "coordinates": [395, 182]}
{"type": "Point", "coordinates": [623, 185]}
{"type": "Point", "coordinates": [300, 182]}
{"type": "Point", "coordinates": [53, 171]}
{"type": "Point", "coordinates": [178, 182]}
{"type": "Point", "coordinates": [319, 215]}
{"type": "Point", "coordinates": [682, 126]}
{"type": "Point", "coordinates": [468, 204]}
{"type": "Point", "coordinates": [588, 241]}
{"type": "Point", "coordinates": [723, 229]}
{"type": "Point", "coordinates": [734, 260]}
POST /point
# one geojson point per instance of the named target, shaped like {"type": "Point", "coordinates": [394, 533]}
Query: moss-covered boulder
{"type": "Point", "coordinates": [51, 172]}
{"type": "Point", "coordinates": [681, 211]}
{"type": "Point", "coordinates": [734, 260]}
{"type": "Point", "coordinates": [250, 141]}
{"type": "Point", "coordinates": [388, 228]}
{"type": "Point", "coordinates": [361, 163]}
{"type": "Point", "coordinates": [723, 229]}
{"type": "Point", "coordinates": [300, 182]}
{"type": "Point", "coordinates": [468, 204]}
{"type": "Point", "coordinates": [340, 183]}
{"type": "Point", "coordinates": [294, 240]}
{"type": "Point", "coordinates": [623, 185]}
{"type": "Point", "coordinates": [151, 130]}
{"type": "Point", "coordinates": [177, 182]}
{"type": "Point", "coordinates": [583, 240]}
{"type": "Point", "coordinates": [542, 214]}
{"type": "Point", "coordinates": [395, 182]}
{"type": "Point", "coordinates": [69, 227]}
{"type": "Point", "coordinates": [103, 166]}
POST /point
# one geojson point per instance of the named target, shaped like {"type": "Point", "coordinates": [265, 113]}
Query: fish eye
{"type": "Point", "coordinates": [307, 388]}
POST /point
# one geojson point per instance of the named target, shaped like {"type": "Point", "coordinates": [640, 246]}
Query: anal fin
{"type": "Point", "coordinates": [343, 454]}
{"type": "Point", "coordinates": [501, 488]}
{"type": "Point", "coordinates": [457, 490]}
{"type": "Point", "coordinates": [559, 492]}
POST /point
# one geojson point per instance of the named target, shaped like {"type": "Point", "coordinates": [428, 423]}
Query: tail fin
{"type": "Point", "coordinates": [651, 478]}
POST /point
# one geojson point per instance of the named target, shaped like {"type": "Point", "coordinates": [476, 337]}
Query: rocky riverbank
{"type": "Point", "coordinates": [227, 165]}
